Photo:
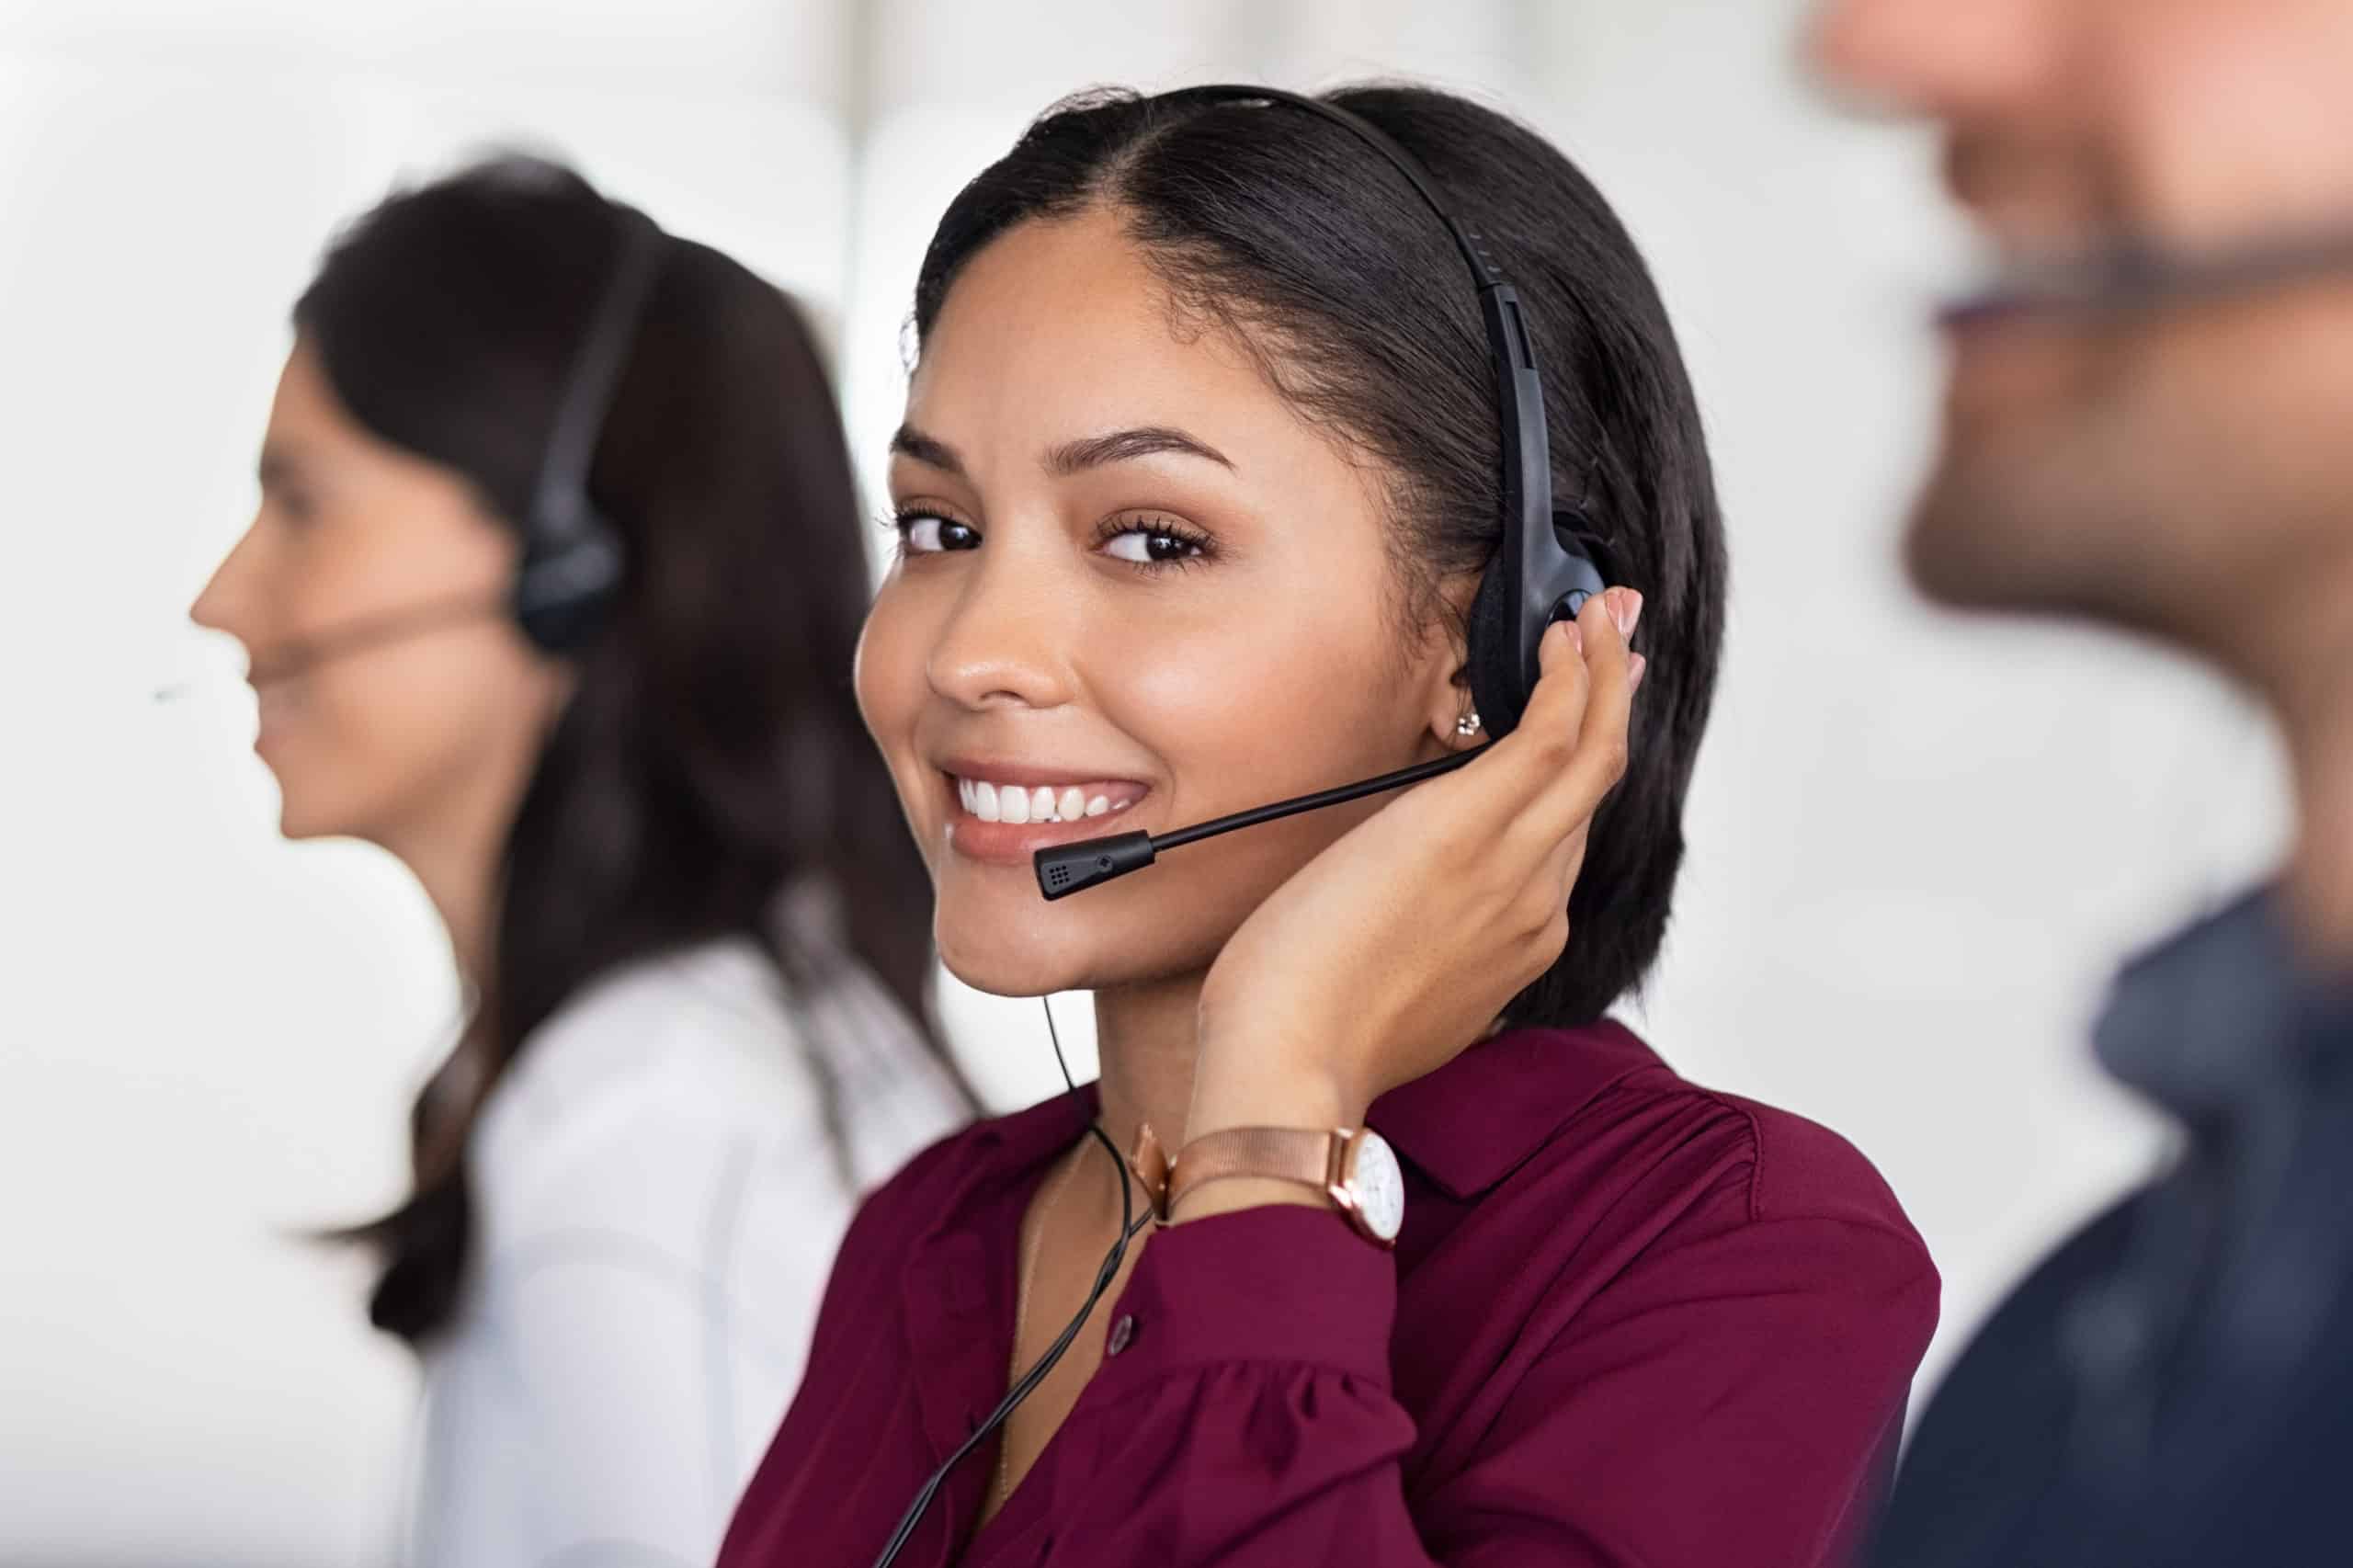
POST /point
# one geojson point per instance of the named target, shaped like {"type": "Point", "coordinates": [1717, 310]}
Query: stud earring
{"type": "Point", "coordinates": [1467, 725]}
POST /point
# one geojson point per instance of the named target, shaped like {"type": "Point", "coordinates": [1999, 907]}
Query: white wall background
{"type": "Point", "coordinates": [1917, 845]}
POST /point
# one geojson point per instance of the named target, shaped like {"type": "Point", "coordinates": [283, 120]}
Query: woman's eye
{"type": "Point", "coordinates": [929, 533]}
{"type": "Point", "coordinates": [1151, 546]}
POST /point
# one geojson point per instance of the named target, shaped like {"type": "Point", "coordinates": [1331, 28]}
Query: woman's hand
{"type": "Point", "coordinates": [1394, 949]}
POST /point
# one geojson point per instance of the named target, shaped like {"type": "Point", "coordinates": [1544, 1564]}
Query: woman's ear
{"type": "Point", "coordinates": [1451, 714]}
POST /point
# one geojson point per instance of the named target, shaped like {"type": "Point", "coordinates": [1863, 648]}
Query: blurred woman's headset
{"type": "Point", "coordinates": [571, 561]}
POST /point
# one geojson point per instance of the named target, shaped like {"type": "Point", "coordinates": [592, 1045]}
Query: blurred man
{"type": "Point", "coordinates": [2150, 424]}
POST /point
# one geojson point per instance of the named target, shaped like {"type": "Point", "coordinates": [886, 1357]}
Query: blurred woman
{"type": "Point", "coordinates": [552, 594]}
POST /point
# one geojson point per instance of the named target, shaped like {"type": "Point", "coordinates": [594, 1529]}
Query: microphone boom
{"type": "Point", "coordinates": [1071, 868]}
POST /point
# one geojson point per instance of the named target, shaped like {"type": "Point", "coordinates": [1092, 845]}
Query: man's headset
{"type": "Point", "coordinates": [570, 572]}
{"type": "Point", "coordinates": [1542, 572]}
{"type": "Point", "coordinates": [2138, 277]}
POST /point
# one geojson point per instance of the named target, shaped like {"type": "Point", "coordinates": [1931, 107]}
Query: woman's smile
{"type": "Point", "coordinates": [1001, 812]}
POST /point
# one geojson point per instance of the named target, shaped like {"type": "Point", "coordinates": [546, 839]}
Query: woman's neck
{"type": "Point", "coordinates": [456, 858]}
{"type": "Point", "coordinates": [460, 895]}
{"type": "Point", "coordinates": [1145, 1038]}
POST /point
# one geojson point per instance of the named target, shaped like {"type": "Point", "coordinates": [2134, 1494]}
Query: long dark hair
{"type": "Point", "coordinates": [1311, 249]}
{"type": "Point", "coordinates": [711, 751]}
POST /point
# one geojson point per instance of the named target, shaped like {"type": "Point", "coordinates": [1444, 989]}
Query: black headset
{"type": "Point", "coordinates": [571, 569]}
{"type": "Point", "coordinates": [2136, 276]}
{"type": "Point", "coordinates": [1542, 572]}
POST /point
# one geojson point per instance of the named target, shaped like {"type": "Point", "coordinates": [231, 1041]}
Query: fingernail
{"type": "Point", "coordinates": [1576, 636]}
{"type": "Point", "coordinates": [1640, 667]}
{"type": "Point", "coordinates": [1627, 612]}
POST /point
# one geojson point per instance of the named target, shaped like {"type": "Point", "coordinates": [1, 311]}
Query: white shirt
{"type": "Point", "coordinates": [657, 1200]}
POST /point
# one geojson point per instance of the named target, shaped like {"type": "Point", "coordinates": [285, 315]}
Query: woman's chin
{"type": "Point", "coordinates": [298, 819]}
{"type": "Point", "coordinates": [1019, 964]}
{"type": "Point", "coordinates": [1023, 945]}
{"type": "Point", "coordinates": [308, 813]}
{"type": "Point", "coordinates": [1008, 968]}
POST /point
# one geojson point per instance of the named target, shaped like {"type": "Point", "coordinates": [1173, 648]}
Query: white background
{"type": "Point", "coordinates": [1917, 846]}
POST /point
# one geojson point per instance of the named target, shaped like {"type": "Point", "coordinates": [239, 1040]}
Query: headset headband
{"type": "Point", "coordinates": [572, 554]}
{"type": "Point", "coordinates": [1540, 572]}
{"type": "Point", "coordinates": [559, 512]}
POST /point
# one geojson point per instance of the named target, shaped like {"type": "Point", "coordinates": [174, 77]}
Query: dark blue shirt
{"type": "Point", "coordinates": [2175, 1385]}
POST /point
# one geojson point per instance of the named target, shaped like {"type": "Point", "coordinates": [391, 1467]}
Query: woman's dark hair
{"type": "Point", "coordinates": [711, 755]}
{"type": "Point", "coordinates": [1290, 232]}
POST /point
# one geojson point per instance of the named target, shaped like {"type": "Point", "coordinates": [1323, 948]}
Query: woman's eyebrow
{"type": "Point", "coordinates": [1120, 446]}
{"type": "Point", "coordinates": [907, 441]}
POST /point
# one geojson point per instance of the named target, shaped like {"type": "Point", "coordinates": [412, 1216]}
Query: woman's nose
{"type": "Point", "coordinates": [1007, 641]}
{"type": "Point", "coordinates": [224, 602]}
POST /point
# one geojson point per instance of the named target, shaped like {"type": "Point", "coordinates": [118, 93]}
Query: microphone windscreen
{"type": "Point", "coordinates": [1064, 869]}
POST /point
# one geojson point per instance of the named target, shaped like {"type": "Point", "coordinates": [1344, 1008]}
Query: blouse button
{"type": "Point", "coordinates": [1123, 1333]}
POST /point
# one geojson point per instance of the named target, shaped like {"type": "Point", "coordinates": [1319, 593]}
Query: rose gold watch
{"type": "Point", "coordinates": [1352, 1167]}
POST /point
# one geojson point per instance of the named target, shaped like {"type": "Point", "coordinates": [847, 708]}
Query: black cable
{"type": "Point", "coordinates": [1131, 1226]}
{"type": "Point", "coordinates": [1317, 801]}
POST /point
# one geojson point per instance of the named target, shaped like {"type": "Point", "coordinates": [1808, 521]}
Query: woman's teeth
{"type": "Point", "coordinates": [1012, 803]}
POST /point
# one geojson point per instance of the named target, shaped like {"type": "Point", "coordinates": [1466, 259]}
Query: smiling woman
{"type": "Point", "coordinates": [1077, 563]}
{"type": "Point", "coordinates": [1197, 480]}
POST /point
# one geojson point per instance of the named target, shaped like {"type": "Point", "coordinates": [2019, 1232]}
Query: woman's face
{"type": "Point", "coordinates": [1135, 591]}
{"type": "Point", "coordinates": [431, 726]}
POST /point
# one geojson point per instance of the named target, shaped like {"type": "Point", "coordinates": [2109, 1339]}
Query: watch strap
{"type": "Point", "coordinates": [1277, 1153]}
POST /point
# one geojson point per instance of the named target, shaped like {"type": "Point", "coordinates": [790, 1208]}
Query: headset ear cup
{"type": "Point", "coordinates": [1491, 657]}
{"type": "Point", "coordinates": [1505, 627]}
{"type": "Point", "coordinates": [1587, 566]}
{"type": "Point", "coordinates": [562, 596]}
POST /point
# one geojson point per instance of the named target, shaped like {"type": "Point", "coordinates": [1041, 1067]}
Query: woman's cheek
{"type": "Point", "coordinates": [1240, 709]}
{"type": "Point", "coordinates": [887, 676]}
{"type": "Point", "coordinates": [1191, 690]}
{"type": "Point", "coordinates": [864, 664]}
{"type": "Point", "coordinates": [375, 745]}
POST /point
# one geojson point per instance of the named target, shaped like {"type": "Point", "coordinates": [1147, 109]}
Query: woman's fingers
{"type": "Point", "coordinates": [1525, 762]}
{"type": "Point", "coordinates": [1540, 782]}
{"type": "Point", "coordinates": [1586, 757]}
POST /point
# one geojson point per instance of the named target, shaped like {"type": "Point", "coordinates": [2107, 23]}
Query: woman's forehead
{"type": "Point", "coordinates": [1059, 331]}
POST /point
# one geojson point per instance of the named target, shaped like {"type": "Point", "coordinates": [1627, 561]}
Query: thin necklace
{"type": "Point", "coordinates": [1004, 1486]}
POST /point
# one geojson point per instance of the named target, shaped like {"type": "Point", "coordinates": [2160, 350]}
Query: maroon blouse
{"type": "Point", "coordinates": [1629, 1322]}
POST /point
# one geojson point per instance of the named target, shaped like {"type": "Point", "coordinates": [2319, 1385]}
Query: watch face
{"type": "Point", "coordinates": [1377, 1186]}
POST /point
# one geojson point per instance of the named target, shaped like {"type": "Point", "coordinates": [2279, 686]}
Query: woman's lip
{"type": "Point", "coordinates": [1013, 843]}
{"type": "Point", "coordinates": [1025, 773]}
